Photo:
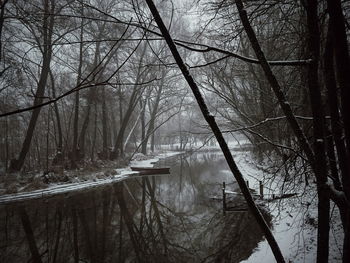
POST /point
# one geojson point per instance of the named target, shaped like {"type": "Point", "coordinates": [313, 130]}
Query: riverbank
{"type": "Point", "coordinates": [294, 219]}
{"type": "Point", "coordinates": [86, 181]}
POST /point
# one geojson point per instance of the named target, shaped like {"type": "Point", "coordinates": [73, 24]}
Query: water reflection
{"type": "Point", "coordinates": [146, 219]}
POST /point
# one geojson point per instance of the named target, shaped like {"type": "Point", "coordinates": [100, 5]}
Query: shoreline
{"type": "Point", "coordinates": [65, 188]}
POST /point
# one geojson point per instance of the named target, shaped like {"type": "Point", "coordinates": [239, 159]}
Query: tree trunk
{"type": "Point", "coordinates": [75, 150]}
{"type": "Point", "coordinates": [342, 58]}
{"type": "Point", "coordinates": [150, 130]}
{"type": "Point", "coordinates": [59, 157]}
{"type": "Point", "coordinates": [16, 165]}
{"type": "Point", "coordinates": [81, 146]}
{"type": "Point", "coordinates": [104, 127]}
{"type": "Point", "coordinates": [318, 131]}
{"type": "Point", "coordinates": [143, 126]}
{"type": "Point", "coordinates": [94, 138]}
{"type": "Point", "coordinates": [332, 96]}
{"type": "Point", "coordinates": [217, 132]}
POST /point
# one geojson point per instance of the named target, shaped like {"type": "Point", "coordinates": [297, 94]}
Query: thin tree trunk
{"type": "Point", "coordinates": [152, 141]}
{"type": "Point", "coordinates": [93, 146]}
{"type": "Point", "coordinates": [104, 126]}
{"type": "Point", "coordinates": [57, 114]}
{"type": "Point", "coordinates": [143, 126]}
{"type": "Point", "coordinates": [150, 130]}
{"type": "Point", "coordinates": [217, 132]}
{"type": "Point", "coordinates": [48, 138]}
{"type": "Point", "coordinates": [81, 148]}
{"type": "Point", "coordinates": [75, 151]}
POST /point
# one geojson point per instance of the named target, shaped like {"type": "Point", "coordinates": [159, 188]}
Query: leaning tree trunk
{"type": "Point", "coordinates": [16, 165]}
{"type": "Point", "coordinates": [118, 147]}
{"type": "Point", "coordinates": [218, 134]}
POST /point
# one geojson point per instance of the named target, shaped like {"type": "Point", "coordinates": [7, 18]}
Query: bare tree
{"type": "Point", "coordinates": [46, 50]}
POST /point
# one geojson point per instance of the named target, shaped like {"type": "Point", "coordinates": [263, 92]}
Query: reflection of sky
{"type": "Point", "coordinates": [187, 191]}
{"type": "Point", "coordinates": [193, 181]}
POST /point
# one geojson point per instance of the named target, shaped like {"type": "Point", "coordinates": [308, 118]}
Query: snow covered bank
{"type": "Point", "coordinates": [65, 188]}
{"type": "Point", "coordinates": [294, 219]}
{"type": "Point", "coordinates": [239, 145]}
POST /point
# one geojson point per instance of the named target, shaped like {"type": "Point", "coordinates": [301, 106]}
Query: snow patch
{"type": "Point", "coordinates": [94, 180]}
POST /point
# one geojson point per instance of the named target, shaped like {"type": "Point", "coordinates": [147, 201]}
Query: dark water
{"type": "Point", "coordinates": [167, 218]}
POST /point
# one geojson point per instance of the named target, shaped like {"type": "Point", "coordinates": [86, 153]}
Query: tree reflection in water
{"type": "Point", "coordinates": [145, 219]}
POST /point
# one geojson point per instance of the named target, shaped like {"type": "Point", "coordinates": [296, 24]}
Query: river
{"type": "Point", "coordinates": [165, 218]}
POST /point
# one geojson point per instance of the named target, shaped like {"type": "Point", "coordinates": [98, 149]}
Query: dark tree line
{"type": "Point", "coordinates": [97, 74]}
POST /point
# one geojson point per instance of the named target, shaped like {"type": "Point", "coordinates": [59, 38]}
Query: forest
{"type": "Point", "coordinates": [88, 85]}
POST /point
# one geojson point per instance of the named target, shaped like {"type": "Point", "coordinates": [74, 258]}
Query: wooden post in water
{"type": "Point", "coordinates": [223, 198]}
{"type": "Point", "coordinates": [261, 187]}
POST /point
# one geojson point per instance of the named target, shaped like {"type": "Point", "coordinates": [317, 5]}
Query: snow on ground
{"type": "Point", "coordinates": [294, 219]}
{"type": "Point", "coordinates": [295, 232]}
{"type": "Point", "coordinates": [140, 162]}
{"type": "Point", "coordinates": [237, 144]}
{"type": "Point", "coordinates": [55, 189]}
